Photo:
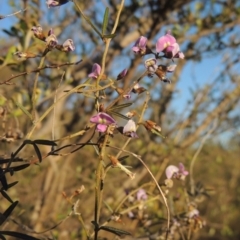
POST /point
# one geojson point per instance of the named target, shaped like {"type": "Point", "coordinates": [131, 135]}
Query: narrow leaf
{"type": "Point", "coordinates": [116, 231]}
{"type": "Point", "coordinates": [93, 26]}
{"type": "Point", "coordinates": [2, 237]}
{"type": "Point", "coordinates": [12, 184]}
{"type": "Point", "coordinates": [123, 158]}
{"type": "Point", "coordinates": [108, 206]}
{"type": "Point", "coordinates": [8, 211]}
{"type": "Point", "coordinates": [118, 114]}
{"type": "Point", "coordinates": [18, 235]}
{"type": "Point", "coordinates": [5, 195]}
{"type": "Point", "coordinates": [37, 152]}
{"type": "Point", "coordinates": [157, 133]}
{"type": "Point", "coordinates": [110, 35]}
{"type": "Point", "coordinates": [18, 168]}
{"type": "Point", "coordinates": [23, 109]}
{"type": "Point", "coordinates": [45, 142]}
{"type": "Point", "coordinates": [105, 21]}
{"type": "Point", "coordinates": [3, 179]}
{"type": "Point", "coordinates": [27, 141]}
{"type": "Point", "coordinates": [120, 106]}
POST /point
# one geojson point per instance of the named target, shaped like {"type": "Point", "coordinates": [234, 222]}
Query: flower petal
{"type": "Point", "coordinates": [170, 170]}
{"type": "Point", "coordinates": [164, 41]}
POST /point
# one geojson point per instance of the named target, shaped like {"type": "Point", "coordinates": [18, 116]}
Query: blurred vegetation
{"type": "Point", "coordinates": [204, 29]}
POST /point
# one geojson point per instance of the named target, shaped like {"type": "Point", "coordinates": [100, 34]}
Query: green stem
{"type": "Point", "coordinates": [49, 110]}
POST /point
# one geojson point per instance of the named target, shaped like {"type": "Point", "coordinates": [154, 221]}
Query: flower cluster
{"type": "Point", "coordinates": [168, 46]}
{"type": "Point", "coordinates": [140, 198]}
{"type": "Point", "coordinates": [51, 40]}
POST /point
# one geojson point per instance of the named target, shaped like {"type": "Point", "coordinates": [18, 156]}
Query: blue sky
{"type": "Point", "coordinates": [193, 73]}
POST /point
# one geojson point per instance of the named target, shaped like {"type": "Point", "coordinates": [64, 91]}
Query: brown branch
{"type": "Point", "coordinates": [7, 82]}
{"type": "Point", "coordinates": [211, 116]}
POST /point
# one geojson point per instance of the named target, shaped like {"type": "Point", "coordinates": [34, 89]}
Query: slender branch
{"type": "Point", "coordinates": [197, 153]}
{"type": "Point", "coordinates": [155, 181]}
{"type": "Point", "coordinates": [39, 69]}
{"type": "Point", "coordinates": [12, 14]}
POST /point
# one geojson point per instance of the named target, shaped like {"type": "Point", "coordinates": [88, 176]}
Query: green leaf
{"type": "Point", "coordinates": [23, 109]}
{"type": "Point", "coordinates": [105, 21]}
{"type": "Point", "coordinates": [87, 19]}
{"type": "Point", "coordinates": [18, 235]}
{"type": "Point", "coordinates": [123, 158]}
{"type": "Point", "coordinates": [120, 106]}
{"type": "Point", "coordinates": [93, 26]}
{"type": "Point", "coordinates": [110, 35]}
{"type": "Point", "coordinates": [45, 142]}
{"type": "Point", "coordinates": [108, 206]}
{"type": "Point", "coordinates": [157, 133]}
{"type": "Point", "coordinates": [116, 231]}
{"type": "Point", "coordinates": [118, 114]}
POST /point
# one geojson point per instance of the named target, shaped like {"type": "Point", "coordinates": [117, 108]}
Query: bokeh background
{"type": "Point", "coordinates": [199, 113]}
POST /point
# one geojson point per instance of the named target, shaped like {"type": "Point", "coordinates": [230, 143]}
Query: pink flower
{"type": "Point", "coordinates": [176, 172]}
{"type": "Point", "coordinates": [171, 171]}
{"type": "Point", "coordinates": [142, 195]}
{"type": "Point", "coordinates": [102, 120]}
{"type": "Point", "coordinates": [140, 46]}
{"type": "Point", "coordinates": [169, 46]}
{"type": "Point", "coordinates": [182, 170]}
{"type": "Point", "coordinates": [164, 42]}
{"type": "Point", "coordinates": [96, 69]}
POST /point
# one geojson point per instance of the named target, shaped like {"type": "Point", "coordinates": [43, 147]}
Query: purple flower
{"type": "Point", "coordinates": [173, 51]}
{"type": "Point", "coordinates": [129, 129]}
{"type": "Point", "coordinates": [142, 195]}
{"type": "Point", "coordinates": [96, 69]}
{"type": "Point", "coordinates": [171, 171]}
{"type": "Point", "coordinates": [140, 46]}
{"type": "Point", "coordinates": [176, 172]}
{"type": "Point", "coordinates": [51, 41]}
{"type": "Point", "coordinates": [102, 120]}
{"type": "Point", "coordinates": [182, 170]}
{"type": "Point", "coordinates": [122, 74]}
{"type": "Point", "coordinates": [56, 3]}
{"type": "Point", "coordinates": [169, 46]}
{"type": "Point", "coordinates": [68, 45]}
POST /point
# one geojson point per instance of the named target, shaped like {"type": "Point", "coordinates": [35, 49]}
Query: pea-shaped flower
{"type": "Point", "coordinates": [102, 120]}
